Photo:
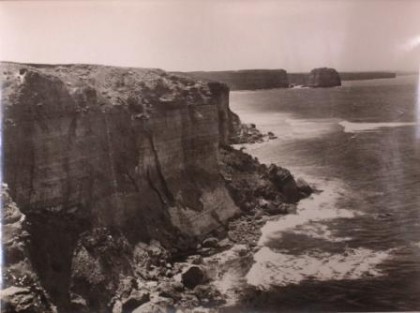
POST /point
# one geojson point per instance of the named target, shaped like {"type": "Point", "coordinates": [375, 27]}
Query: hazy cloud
{"type": "Point", "coordinates": [214, 35]}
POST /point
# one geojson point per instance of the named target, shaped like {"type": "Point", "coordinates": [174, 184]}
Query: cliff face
{"type": "Point", "coordinates": [114, 146]}
{"type": "Point", "coordinates": [324, 77]}
{"type": "Point", "coordinates": [134, 150]}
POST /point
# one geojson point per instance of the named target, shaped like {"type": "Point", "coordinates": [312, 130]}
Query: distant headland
{"type": "Point", "coordinates": [280, 78]}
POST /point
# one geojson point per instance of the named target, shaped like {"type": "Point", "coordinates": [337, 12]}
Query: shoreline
{"type": "Point", "coordinates": [272, 268]}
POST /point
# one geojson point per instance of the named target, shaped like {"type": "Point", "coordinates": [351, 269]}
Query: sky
{"type": "Point", "coordinates": [187, 35]}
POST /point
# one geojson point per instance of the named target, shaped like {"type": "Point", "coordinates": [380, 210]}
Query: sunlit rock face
{"type": "Point", "coordinates": [324, 77]}
{"type": "Point", "coordinates": [135, 149]}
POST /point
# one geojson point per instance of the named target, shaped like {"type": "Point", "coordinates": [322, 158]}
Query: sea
{"type": "Point", "coordinates": [354, 245]}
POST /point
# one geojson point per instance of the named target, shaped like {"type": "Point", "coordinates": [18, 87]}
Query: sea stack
{"type": "Point", "coordinates": [324, 77]}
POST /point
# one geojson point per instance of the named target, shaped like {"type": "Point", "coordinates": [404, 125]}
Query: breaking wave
{"type": "Point", "coordinates": [317, 208]}
{"type": "Point", "coordinates": [280, 269]}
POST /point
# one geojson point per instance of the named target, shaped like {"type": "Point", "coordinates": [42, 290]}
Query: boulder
{"type": "Point", "coordinates": [271, 136]}
{"type": "Point", "coordinates": [101, 268]}
{"type": "Point", "coordinates": [304, 188]}
{"type": "Point", "coordinates": [247, 133]}
{"type": "Point", "coordinates": [136, 299]}
{"type": "Point", "coordinates": [208, 293]}
{"type": "Point", "coordinates": [263, 203]}
{"type": "Point", "coordinates": [210, 242]}
{"type": "Point", "coordinates": [195, 259]}
{"type": "Point", "coordinates": [192, 276]}
{"type": "Point", "coordinates": [151, 260]}
{"type": "Point", "coordinates": [159, 305]}
{"type": "Point", "coordinates": [23, 299]}
{"type": "Point", "coordinates": [172, 290]}
{"type": "Point", "coordinates": [276, 208]}
{"type": "Point", "coordinates": [285, 182]}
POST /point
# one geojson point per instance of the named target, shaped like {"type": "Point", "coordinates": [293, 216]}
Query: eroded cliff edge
{"type": "Point", "coordinates": [120, 170]}
{"type": "Point", "coordinates": [116, 146]}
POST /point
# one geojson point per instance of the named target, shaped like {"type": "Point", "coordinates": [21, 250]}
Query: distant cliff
{"type": "Point", "coordinates": [247, 79]}
{"type": "Point", "coordinates": [302, 78]}
{"type": "Point", "coordinates": [366, 75]}
{"type": "Point", "coordinates": [267, 79]}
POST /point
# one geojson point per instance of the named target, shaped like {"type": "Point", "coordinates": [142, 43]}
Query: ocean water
{"type": "Point", "coordinates": [354, 246]}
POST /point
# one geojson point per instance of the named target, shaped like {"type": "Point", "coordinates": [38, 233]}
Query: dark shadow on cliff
{"type": "Point", "coordinates": [53, 239]}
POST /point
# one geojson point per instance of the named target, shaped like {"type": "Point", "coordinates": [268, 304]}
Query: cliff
{"type": "Point", "coordinates": [246, 79]}
{"type": "Point", "coordinates": [118, 173]}
{"type": "Point", "coordinates": [99, 143]}
{"type": "Point", "coordinates": [267, 79]}
{"type": "Point", "coordinates": [366, 75]}
{"type": "Point", "coordinates": [131, 149]}
{"type": "Point", "coordinates": [302, 78]}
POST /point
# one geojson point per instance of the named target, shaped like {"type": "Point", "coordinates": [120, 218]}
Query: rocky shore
{"type": "Point", "coordinates": [124, 194]}
{"type": "Point", "coordinates": [160, 280]}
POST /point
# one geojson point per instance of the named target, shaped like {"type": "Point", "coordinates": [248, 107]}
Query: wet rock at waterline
{"type": "Point", "coordinates": [193, 276]}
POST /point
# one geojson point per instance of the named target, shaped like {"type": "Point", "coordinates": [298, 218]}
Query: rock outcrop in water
{"type": "Point", "coordinates": [120, 172]}
{"type": "Point", "coordinates": [324, 77]}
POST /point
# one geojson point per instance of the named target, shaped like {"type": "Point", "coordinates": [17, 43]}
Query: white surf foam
{"type": "Point", "coordinates": [317, 208]}
{"type": "Point", "coordinates": [318, 231]}
{"type": "Point", "coordinates": [281, 269]}
{"type": "Point", "coordinates": [350, 127]}
{"type": "Point", "coordinates": [417, 244]}
{"type": "Point", "coordinates": [310, 128]}
{"type": "Point", "coordinates": [285, 126]}
{"type": "Point", "coordinates": [227, 271]}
